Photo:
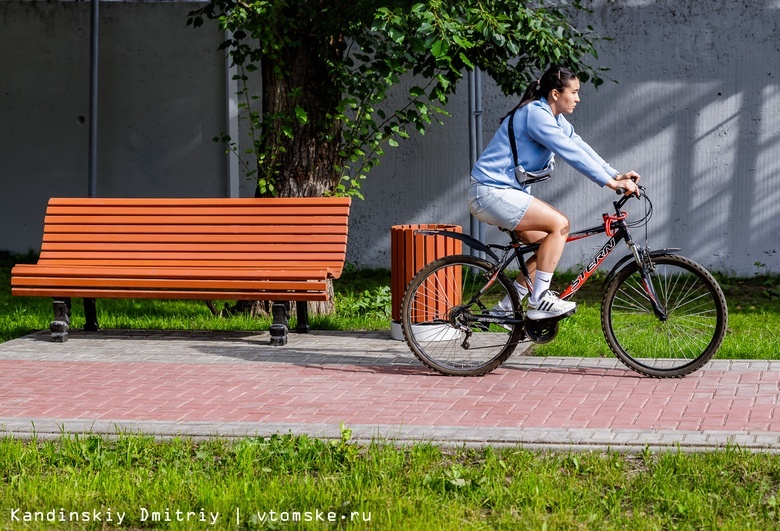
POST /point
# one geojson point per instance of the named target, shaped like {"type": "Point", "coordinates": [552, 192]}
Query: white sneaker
{"type": "Point", "coordinates": [506, 304]}
{"type": "Point", "coordinates": [548, 306]}
{"type": "Point", "coordinates": [504, 309]}
{"type": "Point", "coordinates": [498, 311]}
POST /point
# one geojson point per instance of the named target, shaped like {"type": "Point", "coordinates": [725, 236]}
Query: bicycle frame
{"type": "Point", "coordinates": [662, 315]}
{"type": "Point", "coordinates": [614, 226]}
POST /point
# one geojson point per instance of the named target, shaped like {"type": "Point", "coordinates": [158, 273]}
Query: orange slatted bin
{"type": "Point", "coordinates": [410, 252]}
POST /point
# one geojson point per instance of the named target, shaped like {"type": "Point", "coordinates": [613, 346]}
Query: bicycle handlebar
{"type": "Point", "coordinates": [621, 191]}
{"type": "Point", "coordinates": [623, 200]}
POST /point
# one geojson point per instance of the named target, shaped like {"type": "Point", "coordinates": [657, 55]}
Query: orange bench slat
{"type": "Point", "coordinates": [155, 220]}
{"type": "Point", "coordinates": [21, 272]}
{"type": "Point", "coordinates": [188, 248]}
{"type": "Point", "coordinates": [196, 239]}
{"type": "Point", "coordinates": [269, 210]}
{"type": "Point", "coordinates": [294, 230]}
{"type": "Point", "coordinates": [334, 272]}
{"type": "Point", "coordinates": [213, 257]}
{"type": "Point", "coordinates": [174, 283]}
{"type": "Point", "coordinates": [171, 294]}
{"type": "Point", "coordinates": [310, 202]}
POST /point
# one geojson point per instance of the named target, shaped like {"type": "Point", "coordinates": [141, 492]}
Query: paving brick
{"type": "Point", "coordinates": [234, 384]}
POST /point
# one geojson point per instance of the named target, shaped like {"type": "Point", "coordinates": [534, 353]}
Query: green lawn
{"type": "Point", "coordinates": [249, 483]}
{"type": "Point", "coordinates": [753, 331]}
{"type": "Point", "coordinates": [269, 483]}
{"type": "Point", "coordinates": [363, 303]}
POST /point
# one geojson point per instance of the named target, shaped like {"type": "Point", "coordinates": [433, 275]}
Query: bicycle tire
{"type": "Point", "coordinates": [696, 322]}
{"type": "Point", "coordinates": [447, 332]}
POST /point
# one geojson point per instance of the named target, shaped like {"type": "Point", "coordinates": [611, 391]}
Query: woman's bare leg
{"type": "Point", "coordinates": [550, 228]}
{"type": "Point", "coordinates": [544, 223]}
{"type": "Point", "coordinates": [529, 237]}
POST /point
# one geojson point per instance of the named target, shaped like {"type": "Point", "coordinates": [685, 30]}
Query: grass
{"type": "Point", "coordinates": [363, 303]}
{"type": "Point", "coordinates": [362, 299]}
{"type": "Point", "coordinates": [753, 331]}
{"type": "Point", "coordinates": [378, 486]}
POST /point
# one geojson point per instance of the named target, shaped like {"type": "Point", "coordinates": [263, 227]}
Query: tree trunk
{"type": "Point", "coordinates": [306, 152]}
{"type": "Point", "coordinates": [308, 158]}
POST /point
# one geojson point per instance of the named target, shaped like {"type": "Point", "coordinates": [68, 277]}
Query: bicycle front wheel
{"type": "Point", "coordinates": [685, 338]}
{"type": "Point", "coordinates": [447, 321]}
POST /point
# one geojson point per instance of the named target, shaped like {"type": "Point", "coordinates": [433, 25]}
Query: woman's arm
{"type": "Point", "coordinates": [566, 144]}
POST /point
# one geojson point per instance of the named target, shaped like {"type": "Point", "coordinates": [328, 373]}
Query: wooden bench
{"type": "Point", "coordinates": [280, 249]}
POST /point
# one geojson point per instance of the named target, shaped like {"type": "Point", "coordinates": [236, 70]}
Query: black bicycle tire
{"type": "Point", "coordinates": [419, 351]}
{"type": "Point", "coordinates": [721, 319]}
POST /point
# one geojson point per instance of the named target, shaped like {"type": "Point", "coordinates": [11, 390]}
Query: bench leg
{"type": "Point", "coordinates": [281, 312]}
{"type": "Point", "coordinates": [302, 311]}
{"type": "Point", "coordinates": [61, 324]}
{"type": "Point", "coordinates": [90, 313]}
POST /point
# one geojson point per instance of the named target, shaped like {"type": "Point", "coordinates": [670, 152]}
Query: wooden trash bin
{"type": "Point", "coordinates": [410, 252]}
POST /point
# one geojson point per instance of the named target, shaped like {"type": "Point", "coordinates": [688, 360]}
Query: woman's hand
{"type": "Point", "coordinates": [627, 182]}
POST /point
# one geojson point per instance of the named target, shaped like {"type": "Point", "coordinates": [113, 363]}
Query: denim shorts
{"type": "Point", "coordinates": [502, 207]}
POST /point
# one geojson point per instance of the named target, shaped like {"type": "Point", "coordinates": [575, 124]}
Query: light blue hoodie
{"type": "Point", "coordinates": [539, 135]}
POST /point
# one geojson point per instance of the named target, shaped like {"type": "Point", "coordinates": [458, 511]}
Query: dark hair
{"type": "Point", "coordinates": [555, 78]}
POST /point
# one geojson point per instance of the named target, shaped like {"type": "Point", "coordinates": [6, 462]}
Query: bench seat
{"type": "Point", "coordinates": [274, 249]}
{"type": "Point", "coordinates": [147, 282]}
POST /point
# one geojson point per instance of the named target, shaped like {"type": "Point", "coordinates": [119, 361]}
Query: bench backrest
{"type": "Point", "coordinates": [222, 232]}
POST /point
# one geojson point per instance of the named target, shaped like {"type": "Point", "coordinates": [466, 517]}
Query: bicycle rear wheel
{"type": "Point", "coordinates": [446, 321]}
{"type": "Point", "coordinates": [690, 334]}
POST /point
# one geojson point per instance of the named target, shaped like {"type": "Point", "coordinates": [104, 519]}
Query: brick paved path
{"type": "Point", "coordinates": [234, 384]}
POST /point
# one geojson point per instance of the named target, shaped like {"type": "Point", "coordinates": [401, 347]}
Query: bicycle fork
{"type": "Point", "coordinates": [646, 268]}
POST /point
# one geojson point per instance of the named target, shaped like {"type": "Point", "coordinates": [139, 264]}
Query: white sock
{"type": "Point", "coordinates": [522, 291]}
{"type": "Point", "coordinates": [541, 284]}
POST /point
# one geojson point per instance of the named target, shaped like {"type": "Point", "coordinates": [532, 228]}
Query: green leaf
{"type": "Point", "coordinates": [301, 115]}
{"type": "Point", "coordinates": [440, 48]}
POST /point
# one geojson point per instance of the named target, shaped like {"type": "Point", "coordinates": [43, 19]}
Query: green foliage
{"type": "Point", "coordinates": [364, 48]}
{"type": "Point", "coordinates": [370, 303]}
{"type": "Point", "coordinates": [770, 283]}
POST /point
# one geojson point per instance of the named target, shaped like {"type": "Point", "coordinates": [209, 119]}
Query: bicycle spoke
{"type": "Point", "coordinates": [446, 323]}
{"type": "Point", "coordinates": [688, 334]}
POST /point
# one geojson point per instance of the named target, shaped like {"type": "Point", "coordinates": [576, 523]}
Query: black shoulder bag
{"type": "Point", "coordinates": [523, 177]}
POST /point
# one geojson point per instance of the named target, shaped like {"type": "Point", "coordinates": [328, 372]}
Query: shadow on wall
{"type": "Point", "coordinates": [716, 104]}
{"type": "Point", "coordinates": [695, 111]}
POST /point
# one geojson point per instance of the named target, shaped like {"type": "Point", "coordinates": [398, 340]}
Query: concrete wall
{"type": "Point", "coordinates": [161, 101]}
{"type": "Point", "coordinates": [696, 111]}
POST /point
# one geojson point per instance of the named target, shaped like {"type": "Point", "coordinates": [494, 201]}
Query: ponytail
{"type": "Point", "coordinates": [555, 78]}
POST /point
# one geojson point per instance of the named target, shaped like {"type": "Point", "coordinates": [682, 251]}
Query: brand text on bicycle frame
{"type": "Point", "coordinates": [591, 267]}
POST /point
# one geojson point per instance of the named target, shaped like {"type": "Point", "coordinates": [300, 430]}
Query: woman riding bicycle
{"type": "Point", "coordinates": [500, 193]}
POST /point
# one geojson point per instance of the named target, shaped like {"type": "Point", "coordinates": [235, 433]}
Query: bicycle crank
{"type": "Point", "coordinates": [542, 330]}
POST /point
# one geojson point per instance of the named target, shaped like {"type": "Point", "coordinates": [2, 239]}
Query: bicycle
{"type": "Point", "coordinates": [663, 315]}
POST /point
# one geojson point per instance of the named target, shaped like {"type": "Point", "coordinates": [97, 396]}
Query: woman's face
{"type": "Point", "coordinates": [564, 102]}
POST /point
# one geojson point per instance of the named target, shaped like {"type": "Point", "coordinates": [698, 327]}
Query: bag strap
{"type": "Point", "coordinates": [530, 179]}
{"type": "Point", "coordinates": [512, 139]}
